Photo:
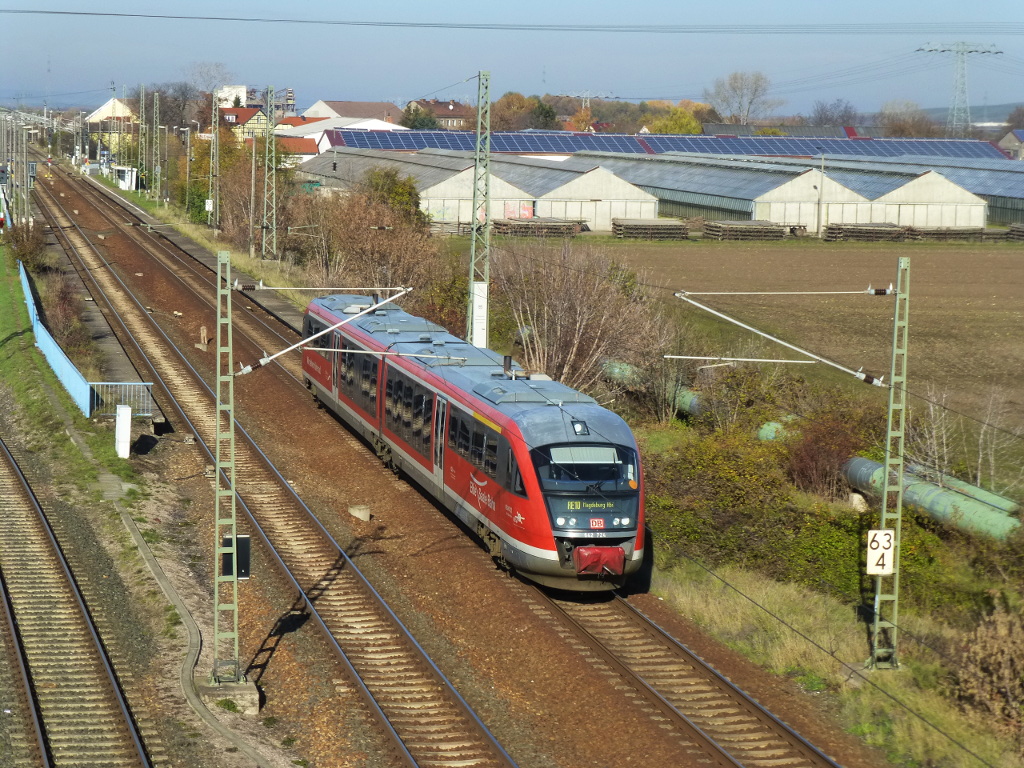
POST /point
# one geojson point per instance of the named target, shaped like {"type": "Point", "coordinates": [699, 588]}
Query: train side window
{"type": "Point", "coordinates": [464, 438]}
{"type": "Point", "coordinates": [514, 478]}
{"type": "Point", "coordinates": [453, 431]}
{"type": "Point", "coordinates": [406, 406]}
{"type": "Point", "coordinates": [491, 453]}
{"type": "Point", "coordinates": [476, 450]}
{"type": "Point", "coordinates": [428, 421]}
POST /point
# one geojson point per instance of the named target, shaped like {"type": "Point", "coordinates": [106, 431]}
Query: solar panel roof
{"type": "Point", "coordinates": [563, 142]}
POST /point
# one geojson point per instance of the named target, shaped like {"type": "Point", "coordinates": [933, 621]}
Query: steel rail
{"type": "Point", "coordinates": [48, 540]}
{"type": "Point", "coordinates": [199, 382]}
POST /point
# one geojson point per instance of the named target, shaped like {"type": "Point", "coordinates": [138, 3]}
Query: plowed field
{"type": "Point", "coordinates": [966, 311]}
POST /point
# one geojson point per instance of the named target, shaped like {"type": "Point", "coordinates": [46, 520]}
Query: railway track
{"type": "Point", "coordinates": [72, 710]}
{"type": "Point", "coordinates": [715, 722]}
{"type": "Point", "coordinates": [668, 678]}
{"type": "Point", "coordinates": [429, 723]}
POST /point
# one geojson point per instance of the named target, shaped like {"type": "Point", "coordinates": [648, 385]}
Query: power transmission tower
{"type": "Point", "coordinates": [480, 245]}
{"type": "Point", "coordinates": [269, 226]}
{"type": "Point", "coordinates": [958, 122]}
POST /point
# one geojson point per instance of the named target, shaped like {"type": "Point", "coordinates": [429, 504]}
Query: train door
{"type": "Point", "coordinates": [440, 432]}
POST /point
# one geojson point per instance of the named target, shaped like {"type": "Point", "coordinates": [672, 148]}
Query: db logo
{"type": "Point", "coordinates": [597, 522]}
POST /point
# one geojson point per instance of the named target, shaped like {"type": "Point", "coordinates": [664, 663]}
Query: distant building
{"type": "Point", "coordinates": [254, 98]}
{"type": "Point", "coordinates": [293, 151]}
{"type": "Point", "coordinates": [229, 95]}
{"type": "Point", "coordinates": [114, 109]}
{"type": "Point", "coordinates": [364, 110]}
{"type": "Point", "coordinates": [1013, 144]}
{"type": "Point", "coordinates": [521, 187]}
{"type": "Point", "coordinates": [245, 122]}
{"type": "Point", "coordinates": [451, 115]}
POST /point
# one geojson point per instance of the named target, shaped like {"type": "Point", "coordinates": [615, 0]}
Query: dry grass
{"type": "Point", "coordinates": [824, 647]}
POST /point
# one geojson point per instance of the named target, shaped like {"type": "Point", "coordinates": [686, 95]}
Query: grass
{"type": "Point", "coordinates": [228, 705]}
{"type": "Point", "coordinates": [821, 644]}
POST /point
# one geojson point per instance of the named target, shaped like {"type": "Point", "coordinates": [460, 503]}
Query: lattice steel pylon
{"type": "Point", "coordinates": [213, 187]}
{"type": "Point", "coordinates": [154, 189]}
{"type": "Point", "coordinates": [142, 138]}
{"type": "Point", "coordinates": [885, 622]}
{"type": "Point", "coordinates": [269, 225]}
{"type": "Point", "coordinates": [226, 667]}
{"type": "Point", "coordinates": [958, 122]}
{"type": "Point", "coordinates": [480, 245]}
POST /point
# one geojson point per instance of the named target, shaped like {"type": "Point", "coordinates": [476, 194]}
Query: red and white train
{"type": "Point", "coordinates": [548, 479]}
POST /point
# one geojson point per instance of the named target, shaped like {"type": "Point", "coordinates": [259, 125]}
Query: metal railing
{"type": "Point", "coordinates": [107, 395]}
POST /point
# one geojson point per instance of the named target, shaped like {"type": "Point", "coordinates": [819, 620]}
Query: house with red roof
{"type": "Point", "coordinates": [244, 122]}
{"type": "Point", "coordinates": [450, 115]}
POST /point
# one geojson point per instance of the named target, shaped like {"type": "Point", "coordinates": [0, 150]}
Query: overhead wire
{"type": "Point", "coordinates": [979, 422]}
{"type": "Point", "coordinates": [821, 28]}
{"type": "Point", "coordinates": [851, 667]}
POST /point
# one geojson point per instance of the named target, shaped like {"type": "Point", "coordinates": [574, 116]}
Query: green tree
{"type": "Point", "coordinates": [418, 119]}
{"type": "Point", "coordinates": [512, 112]}
{"type": "Point", "coordinates": [678, 120]}
{"type": "Point", "coordinates": [543, 117]}
{"type": "Point", "coordinates": [385, 187]}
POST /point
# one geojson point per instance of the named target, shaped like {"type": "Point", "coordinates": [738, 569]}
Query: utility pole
{"type": "Point", "coordinates": [226, 666]}
{"type": "Point", "coordinates": [958, 122]}
{"type": "Point", "coordinates": [480, 245]}
{"type": "Point", "coordinates": [213, 193]}
{"type": "Point", "coordinates": [155, 187]}
{"type": "Point", "coordinates": [269, 227]}
{"type": "Point", "coordinates": [885, 623]}
{"type": "Point", "coordinates": [142, 136]}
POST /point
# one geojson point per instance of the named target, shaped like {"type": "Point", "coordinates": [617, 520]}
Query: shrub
{"type": "Point", "coordinates": [990, 675]}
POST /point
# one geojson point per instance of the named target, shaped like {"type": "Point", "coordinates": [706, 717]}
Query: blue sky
{"type": "Point", "coordinates": [66, 55]}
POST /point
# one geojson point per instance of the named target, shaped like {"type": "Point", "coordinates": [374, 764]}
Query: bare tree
{"type": "Point", "coordinates": [838, 112]}
{"type": "Point", "coordinates": [207, 76]}
{"type": "Point", "coordinates": [1015, 120]}
{"type": "Point", "coordinates": [575, 309]}
{"type": "Point", "coordinates": [995, 446]}
{"type": "Point", "coordinates": [742, 97]}
{"type": "Point", "coordinates": [905, 119]}
{"type": "Point", "coordinates": [935, 438]}
{"type": "Point", "coordinates": [178, 102]}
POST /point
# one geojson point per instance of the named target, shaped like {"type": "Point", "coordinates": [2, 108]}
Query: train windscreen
{"type": "Point", "coordinates": [604, 468]}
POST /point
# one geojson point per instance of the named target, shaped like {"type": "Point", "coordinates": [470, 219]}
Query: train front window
{"type": "Point", "coordinates": [575, 468]}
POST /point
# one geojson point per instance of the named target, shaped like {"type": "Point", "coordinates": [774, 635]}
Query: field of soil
{"type": "Point", "coordinates": [966, 307]}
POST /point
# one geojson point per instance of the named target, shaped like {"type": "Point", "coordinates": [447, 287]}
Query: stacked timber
{"type": "Point", "coordinates": [1015, 233]}
{"type": "Point", "coordinates": [650, 229]}
{"type": "Point", "coordinates": [537, 227]}
{"type": "Point", "coordinates": [998, 235]}
{"type": "Point", "coordinates": [944, 234]}
{"type": "Point", "coordinates": [873, 233]}
{"type": "Point", "coordinates": [450, 228]}
{"type": "Point", "coordinates": [744, 230]}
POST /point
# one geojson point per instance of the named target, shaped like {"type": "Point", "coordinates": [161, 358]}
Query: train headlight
{"type": "Point", "coordinates": [560, 520]}
{"type": "Point", "coordinates": [572, 522]}
{"type": "Point", "coordinates": [625, 521]}
{"type": "Point", "coordinates": [616, 521]}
